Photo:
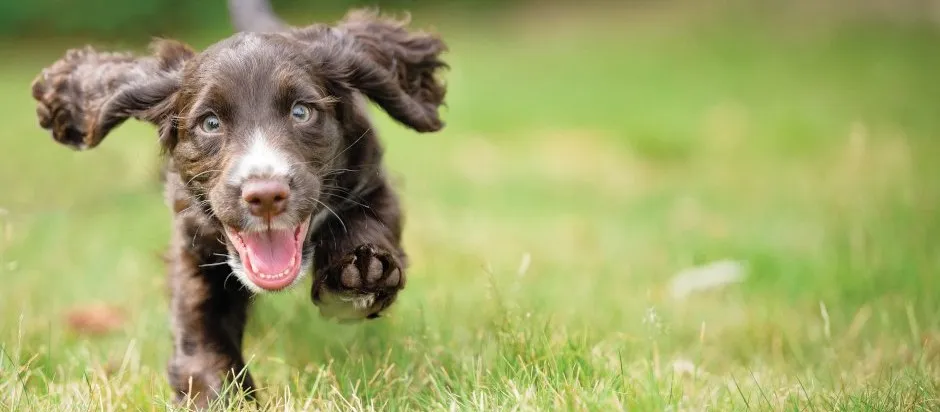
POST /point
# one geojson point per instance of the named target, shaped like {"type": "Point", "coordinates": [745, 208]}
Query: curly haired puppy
{"type": "Point", "coordinates": [273, 168]}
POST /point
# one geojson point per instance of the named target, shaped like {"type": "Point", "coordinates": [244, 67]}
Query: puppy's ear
{"type": "Point", "coordinates": [86, 93]}
{"type": "Point", "coordinates": [395, 67]}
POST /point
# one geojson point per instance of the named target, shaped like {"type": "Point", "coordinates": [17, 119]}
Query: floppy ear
{"type": "Point", "coordinates": [87, 93]}
{"type": "Point", "coordinates": [395, 67]}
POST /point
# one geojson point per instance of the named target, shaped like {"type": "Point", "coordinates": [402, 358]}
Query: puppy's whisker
{"type": "Point", "coordinates": [341, 170]}
{"type": "Point", "coordinates": [337, 188]}
{"type": "Point", "coordinates": [343, 224]}
{"type": "Point", "coordinates": [200, 174]}
{"type": "Point", "coordinates": [346, 199]}
{"type": "Point", "coordinates": [205, 265]}
{"type": "Point", "coordinates": [227, 277]}
{"type": "Point", "coordinates": [348, 147]}
{"type": "Point", "coordinates": [336, 172]}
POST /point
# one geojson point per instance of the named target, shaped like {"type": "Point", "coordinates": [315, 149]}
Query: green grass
{"type": "Point", "coordinates": [586, 161]}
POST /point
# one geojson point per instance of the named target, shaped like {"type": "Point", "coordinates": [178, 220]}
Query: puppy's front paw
{"type": "Point", "coordinates": [360, 285]}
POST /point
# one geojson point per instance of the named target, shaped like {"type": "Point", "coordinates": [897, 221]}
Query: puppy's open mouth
{"type": "Point", "coordinates": [270, 258]}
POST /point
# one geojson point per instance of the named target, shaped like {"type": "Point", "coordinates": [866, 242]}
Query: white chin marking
{"type": "Point", "coordinates": [261, 160]}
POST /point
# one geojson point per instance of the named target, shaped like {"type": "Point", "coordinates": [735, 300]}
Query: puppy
{"type": "Point", "coordinates": [273, 168]}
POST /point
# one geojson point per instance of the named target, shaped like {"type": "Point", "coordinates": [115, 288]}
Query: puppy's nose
{"type": "Point", "coordinates": [265, 197]}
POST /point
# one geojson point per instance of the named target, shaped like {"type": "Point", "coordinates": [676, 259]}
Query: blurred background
{"type": "Point", "coordinates": [646, 199]}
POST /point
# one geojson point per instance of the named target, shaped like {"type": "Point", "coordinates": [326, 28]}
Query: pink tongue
{"type": "Point", "coordinates": [270, 252]}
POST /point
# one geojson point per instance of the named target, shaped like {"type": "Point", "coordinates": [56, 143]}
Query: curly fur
{"type": "Point", "coordinates": [354, 240]}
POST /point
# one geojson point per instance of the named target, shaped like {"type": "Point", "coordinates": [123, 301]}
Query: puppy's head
{"type": "Point", "coordinates": [259, 125]}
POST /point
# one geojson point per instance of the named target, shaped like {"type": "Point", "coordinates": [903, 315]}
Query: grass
{"type": "Point", "coordinates": [588, 158]}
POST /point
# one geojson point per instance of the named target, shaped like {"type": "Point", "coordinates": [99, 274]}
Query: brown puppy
{"type": "Point", "coordinates": [273, 167]}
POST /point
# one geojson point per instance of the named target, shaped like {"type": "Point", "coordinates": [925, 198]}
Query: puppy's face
{"type": "Point", "coordinates": [256, 135]}
{"type": "Point", "coordinates": [258, 126]}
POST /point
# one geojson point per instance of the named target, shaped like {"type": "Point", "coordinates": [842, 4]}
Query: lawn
{"type": "Point", "coordinates": [590, 156]}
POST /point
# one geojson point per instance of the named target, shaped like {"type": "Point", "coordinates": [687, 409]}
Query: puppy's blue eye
{"type": "Point", "coordinates": [211, 124]}
{"type": "Point", "coordinates": [300, 112]}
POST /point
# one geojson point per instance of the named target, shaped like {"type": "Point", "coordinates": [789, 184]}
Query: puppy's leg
{"type": "Point", "coordinates": [208, 313]}
{"type": "Point", "coordinates": [359, 263]}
